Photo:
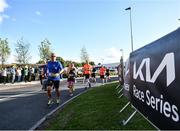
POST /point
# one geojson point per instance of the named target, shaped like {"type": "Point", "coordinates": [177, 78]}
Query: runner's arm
{"type": "Point", "coordinates": [62, 71]}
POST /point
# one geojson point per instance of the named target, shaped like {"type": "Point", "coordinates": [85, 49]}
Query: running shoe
{"type": "Point", "coordinates": [57, 101]}
{"type": "Point", "coordinates": [50, 102]}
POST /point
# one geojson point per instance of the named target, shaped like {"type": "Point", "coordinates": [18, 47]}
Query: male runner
{"type": "Point", "coordinates": [93, 75]}
{"type": "Point", "coordinates": [54, 69]}
{"type": "Point", "coordinates": [102, 73]}
{"type": "Point", "coordinates": [107, 75]}
{"type": "Point", "coordinates": [87, 72]}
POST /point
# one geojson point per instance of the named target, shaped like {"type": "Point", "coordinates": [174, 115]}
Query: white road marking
{"type": "Point", "coordinates": [19, 95]}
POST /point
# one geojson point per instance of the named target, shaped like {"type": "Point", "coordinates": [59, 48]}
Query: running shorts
{"type": "Point", "coordinates": [53, 83]}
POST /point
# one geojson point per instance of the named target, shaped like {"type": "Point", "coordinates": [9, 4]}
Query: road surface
{"type": "Point", "coordinates": [21, 108]}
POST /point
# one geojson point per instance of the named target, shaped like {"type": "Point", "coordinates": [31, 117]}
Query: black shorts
{"type": "Point", "coordinates": [53, 83]}
{"type": "Point", "coordinates": [71, 79]}
{"type": "Point", "coordinates": [107, 74]}
{"type": "Point", "coordinates": [93, 75]}
{"type": "Point", "coordinates": [102, 76]}
{"type": "Point", "coordinates": [87, 76]}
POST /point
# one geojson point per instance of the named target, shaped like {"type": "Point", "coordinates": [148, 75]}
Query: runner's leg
{"type": "Point", "coordinates": [106, 78]}
{"type": "Point", "coordinates": [49, 88]}
{"type": "Point", "coordinates": [56, 86]}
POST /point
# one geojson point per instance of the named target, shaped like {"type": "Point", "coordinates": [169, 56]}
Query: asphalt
{"type": "Point", "coordinates": [23, 105]}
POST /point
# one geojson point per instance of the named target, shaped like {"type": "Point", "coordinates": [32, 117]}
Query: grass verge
{"type": "Point", "coordinates": [96, 109]}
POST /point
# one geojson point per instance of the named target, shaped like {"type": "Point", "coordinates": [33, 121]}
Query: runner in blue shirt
{"type": "Point", "coordinates": [54, 69]}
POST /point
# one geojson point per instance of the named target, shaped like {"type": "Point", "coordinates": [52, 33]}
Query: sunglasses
{"type": "Point", "coordinates": [53, 56]}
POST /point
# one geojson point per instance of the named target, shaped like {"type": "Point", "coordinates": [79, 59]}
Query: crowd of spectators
{"type": "Point", "coordinates": [18, 74]}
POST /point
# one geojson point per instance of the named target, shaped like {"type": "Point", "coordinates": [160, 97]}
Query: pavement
{"type": "Point", "coordinates": [23, 105]}
{"type": "Point", "coordinates": [22, 84]}
{"type": "Point", "coordinates": [17, 85]}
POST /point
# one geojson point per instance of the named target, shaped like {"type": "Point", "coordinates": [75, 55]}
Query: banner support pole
{"type": "Point", "coordinates": [120, 90]}
{"type": "Point", "coordinates": [117, 86]}
{"type": "Point", "coordinates": [130, 117]}
{"type": "Point", "coordinates": [120, 96]}
{"type": "Point", "coordinates": [124, 107]}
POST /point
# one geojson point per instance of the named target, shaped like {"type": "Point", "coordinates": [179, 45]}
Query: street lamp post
{"type": "Point", "coordinates": [129, 8]}
{"type": "Point", "coordinates": [121, 52]}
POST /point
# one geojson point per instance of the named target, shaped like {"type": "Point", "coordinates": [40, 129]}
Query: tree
{"type": "Point", "coordinates": [92, 63]}
{"type": "Point", "coordinates": [4, 51]}
{"type": "Point", "coordinates": [22, 50]}
{"type": "Point", "coordinates": [60, 59]}
{"type": "Point", "coordinates": [40, 62]}
{"type": "Point", "coordinates": [77, 64]}
{"type": "Point", "coordinates": [84, 55]}
{"type": "Point", "coordinates": [45, 50]}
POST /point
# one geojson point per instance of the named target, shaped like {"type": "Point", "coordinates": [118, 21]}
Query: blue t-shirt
{"type": "Point", "coordinates": [13, 72]}
{"type": "Point", "coordinates": [54, 67]}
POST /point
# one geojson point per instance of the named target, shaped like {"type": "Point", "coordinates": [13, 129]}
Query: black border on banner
{"type": "Point", "coordinates": [145, 117]}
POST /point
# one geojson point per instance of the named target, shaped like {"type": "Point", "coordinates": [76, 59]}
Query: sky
{"type": "Point", "coordinates": [101, 26]}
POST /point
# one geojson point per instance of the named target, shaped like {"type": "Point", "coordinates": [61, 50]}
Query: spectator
{"type": "Point", "coordinates": [29, 73]}
{"type": "Point", "coordinates": [26, 73]}
{"type": "Point", "coordinates": [4, 75]}
{"type": "Point", "coordinates": [1, 76]}
{"type": "Point", "coordinates": [8, 70]}
{"type": "Point", "coordinates": [13, 73]}
{"type": "Point", "coordinates": [36, 73]}
{"type": "Point", "coordinates": [32, 73]}
{"type": "Point", "coordinates": [18, 74]}
{"type": "Point", "coordinates": [22, 73]}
